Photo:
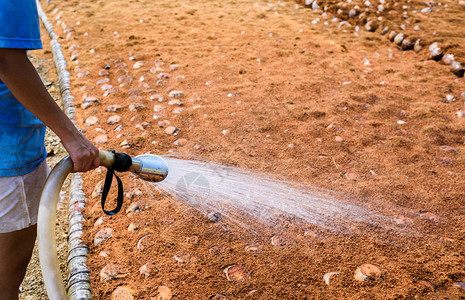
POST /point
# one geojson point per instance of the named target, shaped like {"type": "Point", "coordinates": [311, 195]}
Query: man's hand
{"type": "Point", "coordinates": [21, 78]}
{"type": "Point", "coordinates": [83, 153]}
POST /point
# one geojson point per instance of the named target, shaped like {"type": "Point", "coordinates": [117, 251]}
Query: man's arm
{"type": "Point", "coordinates": [21, 78]}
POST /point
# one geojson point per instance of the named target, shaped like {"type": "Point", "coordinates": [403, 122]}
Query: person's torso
{"type": "Point", "coordinates": [21, 133]}
{"type": "Point", "coordinates": [21, 137]}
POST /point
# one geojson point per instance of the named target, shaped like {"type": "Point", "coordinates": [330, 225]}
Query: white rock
{"type": "Point", "coordinates": [175, 102]}
{"type": "Point", "coordinates": [114, 119]}
{"type": "Point", "coordinates": [82, 74]}
{"type": "Point", "coordinates": [138, 64]}
{"type": "Point", "coordinates": [89, 101]}
{"type": "Point", "coordinates": [101, 139]}
{"type": "Point", "coordinates": [92, 120]}
{"type": "Point", "coordinates": [136, 106]}
{"type": "Point", "coordinates": [103, 235]}
{"type": "Point", "coordinates": [176, 94]}
{"type": "Point", "coordinates": [163, 76]}
{"type": "Point", "coordinates": [450, 98]}
{"type": "Point", "coordinates": [352, 13]}
{"type": "Point", "coordinates": [113, 108]}
{"type": "Point", "coordinates": [106, 87]}
{"type": "Point", "coordinates": [426, 10]}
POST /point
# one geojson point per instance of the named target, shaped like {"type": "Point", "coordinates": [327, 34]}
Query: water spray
{"type": "Point", "coordinates": [148, 167]}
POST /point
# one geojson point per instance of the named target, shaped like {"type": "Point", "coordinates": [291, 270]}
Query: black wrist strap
{"type": "Point", "coordinates": [122, 163]}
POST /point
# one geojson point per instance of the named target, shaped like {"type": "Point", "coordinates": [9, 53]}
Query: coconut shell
{"type": "Point", "coordinates": [236, 274]}
{"type": "Point", "coordinates": [327, 277]}
{"type": "Point", "coordinates": [447, 59]}
{"type": "Point", "coordinates": [399, 39]}
{"type": "Point", "coordinates": [407, 44]}
{"type": "Point", "coordinates": [418, 46]}
{"type": "Point", "coordinates": [436, 52]}
{"type": "Point", "coordinates": [122, 293]}
{"type": "Point", "coordinates": [392, 35]}
{"type": "Point", "coordinates": [457, 69]}
{"type": "Point", "coordinates": [367, 272]}
{"type": "Point", "coordinates": [371, 26]}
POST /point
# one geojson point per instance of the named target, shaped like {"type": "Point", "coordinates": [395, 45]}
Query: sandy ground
{"type": "Point", "coordinates": [269, 88]}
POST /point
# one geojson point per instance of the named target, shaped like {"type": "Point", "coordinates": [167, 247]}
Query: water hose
{"type": "Point", "coordinates": [147, 167]}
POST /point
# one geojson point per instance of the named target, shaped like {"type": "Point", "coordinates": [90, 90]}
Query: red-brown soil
{"type": "Point", "coordinates": [310, 103]}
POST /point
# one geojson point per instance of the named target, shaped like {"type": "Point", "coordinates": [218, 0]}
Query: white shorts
{"type": "Point", "coordinates": [19, 199]}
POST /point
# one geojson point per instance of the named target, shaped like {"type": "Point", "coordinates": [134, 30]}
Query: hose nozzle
{"type": "Point", "coordinates": [149, 167]}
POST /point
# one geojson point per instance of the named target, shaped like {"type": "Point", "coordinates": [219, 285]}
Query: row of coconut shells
{"type": "Point", "coordinates": [361, 16]}
{"type": "Point", "coordinates": [78, 279]}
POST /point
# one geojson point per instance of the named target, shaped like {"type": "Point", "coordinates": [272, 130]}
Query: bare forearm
{"type": "Point", "coordinates": [21, 78]}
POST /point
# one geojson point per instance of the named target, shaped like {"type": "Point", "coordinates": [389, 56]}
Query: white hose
{"type": "Point", "coordinates": [46, 230]}
{"type": "Point", "coordinates": [46, 225]}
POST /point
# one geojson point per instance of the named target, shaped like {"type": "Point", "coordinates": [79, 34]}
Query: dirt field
{"type": "Point", "coordinates": [284, 90]}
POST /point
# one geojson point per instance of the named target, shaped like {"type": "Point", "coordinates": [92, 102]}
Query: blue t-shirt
{"type": "Point", "coordinates": [22, 146]}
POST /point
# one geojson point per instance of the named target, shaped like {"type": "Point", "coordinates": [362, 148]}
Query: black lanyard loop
{"type": "Point", "coordinates": [122, 163]}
